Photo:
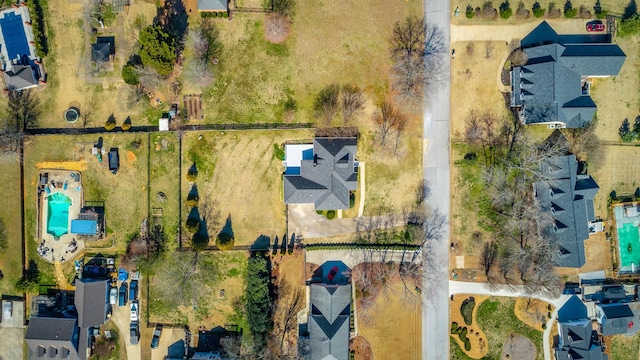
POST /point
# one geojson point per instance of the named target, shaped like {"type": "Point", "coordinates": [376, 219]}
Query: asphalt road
{"type": "Point", "coordinates": [435, 309]}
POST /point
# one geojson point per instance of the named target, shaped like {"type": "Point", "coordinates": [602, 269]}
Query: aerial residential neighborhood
{"type": "Point", "coordinates": [287, 179]}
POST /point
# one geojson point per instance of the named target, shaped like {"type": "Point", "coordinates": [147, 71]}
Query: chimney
{"type": "Point", "coordinates": [315, 160]}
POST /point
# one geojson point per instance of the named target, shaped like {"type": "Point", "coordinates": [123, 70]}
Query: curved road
{"type": "Point", "coordinates": [435, 308]}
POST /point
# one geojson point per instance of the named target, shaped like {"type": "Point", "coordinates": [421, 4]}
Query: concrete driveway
{"type": "Point", "coordinates": [12, 333]}
{"type": "Point", "coordinates": [509, 32]}
{"type": "Point", "coordinates": [121, 317]}
{"type": "Point", "coordinates": [171, 344]}
{"type": "Point", "coordinates": [304, 220]}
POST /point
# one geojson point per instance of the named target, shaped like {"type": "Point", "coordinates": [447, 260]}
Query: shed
{"type": "Point", "coordinates": [163, 124]}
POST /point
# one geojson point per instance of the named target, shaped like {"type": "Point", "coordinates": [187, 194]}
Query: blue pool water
{"type": "Point", "coordinates": [15, 39]}
{"type": "Point", "coordinates": [58, 214]}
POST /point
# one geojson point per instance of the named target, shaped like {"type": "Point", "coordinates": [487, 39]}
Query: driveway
{"type": "Point", "coordinates": [12, 333]}
{"type": "Point", "coordinates": [352, 258]}
{"type": "Point", "coordinates": [509, 32]}
{"type": "Point", "coordinates": [303, 219]}
{"type": "Point", "coordinates": [437, 113]}
{"type": "Point", "coordinates": [122, 320]}
{"type": "Point", "coordinates": [171, 344]}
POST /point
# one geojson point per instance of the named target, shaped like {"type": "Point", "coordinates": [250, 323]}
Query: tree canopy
{"type": "Point", "coordinates": [258, 300]}
{"type": "Point", "coordinates": [157, 49]}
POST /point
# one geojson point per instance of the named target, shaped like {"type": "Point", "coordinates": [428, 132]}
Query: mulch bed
{"type": "Point", "coordinates": [361, 347]}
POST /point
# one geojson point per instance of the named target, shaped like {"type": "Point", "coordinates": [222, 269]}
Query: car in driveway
{"type": "Point", "coordinates": [332, 273]}
{"type": "Point", "coordinates": [134, 332]}
{"type": "Point", "coordinates": [134, 311]}
{"type": "Point", "coordinates": [7, 310]}
{"type": "Point", "coordinates": [155, 340]}
{"type": "Point", "coordinates": [122, 294]}
{"type": "Point", "coordinates": [133, 290]}
{"type": "Point", "coordinates": [113, 296]}
{"type": "Point", "coordinates": [595, 26]}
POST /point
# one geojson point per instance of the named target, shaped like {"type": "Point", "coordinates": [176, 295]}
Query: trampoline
{"type": "Point", "coordinates": [71, 115]}
{"type": "Point", "coordinates": [13, 35]}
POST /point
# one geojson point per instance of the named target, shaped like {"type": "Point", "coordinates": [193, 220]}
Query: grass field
{"type": "Point", "coordinates": [394, 332]}
{"type": "Point", "coordinates": [239, 174]}
{"type": "Point", "coordinates": [11, 258]}
{"type": "Point", "coordinates": [165, 173]}
{"type": "Point", "coordinates": [623, 347]}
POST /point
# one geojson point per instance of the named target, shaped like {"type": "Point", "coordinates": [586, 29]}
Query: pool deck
{"type": "Point", "coordinates": [68, 246]}
{"type": "Point", "coordinates": [621, 220]}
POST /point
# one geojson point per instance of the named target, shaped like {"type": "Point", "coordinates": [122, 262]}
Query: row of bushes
{"type": "Point", "coordinates": [350, 246]}
{"type": "Point", "coordinates": [462, 335]}
{"type": "Point", "coordinates": [487, 11]}
{"type": "Point", "coordinates": [209, 14]}
{"type": "Point", "coordinates": [36, 12]}
{"type": "Point", "coordinates": [110, 124]}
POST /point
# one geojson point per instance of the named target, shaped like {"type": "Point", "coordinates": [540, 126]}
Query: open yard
{"type": "Point", "coordinates": [618, 171]}
{"type": "Point", "coordinates": [394, 329]}
{"type": "Point", "coordinates": [498, 321]}
{"type": "Point", "coordinates": [623, 347]}
{"type": "Point", "coordinates": [11, 258]}
{"type": "Point", "coordinates": [164, 173]}
{"type": "Point", "coordinates": [240, 177]}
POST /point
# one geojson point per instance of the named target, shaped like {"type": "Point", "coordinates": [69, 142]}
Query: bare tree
{"type": "Point", "coordinates": [290, 301]}
{"type": "Point", "coordinates": [399, 127]}
{"type": "Point", "coordinates": [488, 256]}
{"type": "Point", "coordinates": [326, 102]}
{"type": "Point", "coordinates": [351, 102]}
{"type": "Point", "coordinates": [488, 49]}
{"type": "Point", "coordinates": [408, 38]}
{"type": "Point", "coordinates": [23, 110]}
{"type": "Point", "coordinates": [149, 79]}
{"type": "Point", "coordinates": [386, 117]}
{"type": "Point", "coordinates": [88, 110]}
{"type": "Point", "coordinates": [519, 58]}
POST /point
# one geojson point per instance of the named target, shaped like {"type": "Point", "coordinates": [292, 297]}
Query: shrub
{"type": "Point", "coordinates": [522, 12]}
{"type": "Point", "coordinates": [488, 11]}
{"type": "Point", "coordinates": [129, 75]}
{"type": "Point", "coordinates": [126, 125]}
{"type": "Point", "coordinates": [470, 12]}
{"type": "Point", "coordinates": [193, 224]}
{"type": "Point", "coordinates": [319, 212]}
{"type": "Point", "coordinates": [467, 345]}
{"type": "Point", "coordinates": [538, 11]}
{"type": "Point", "coordinates": [278, 152]}
{"type": "Point", "coordinates": [466, 309]}
{"type": "Point", "coordinates": [225, 242]}
{"type": "Point", "coordinates": [192, 199]}
{"type": "Point", "coordinates": [584, 13]}
{"type": "Point", "coordinates": [225, 15]}
{"type": "Point", "coordinates": [599, 11]}
{"type": "Point", "coordinates": [192, 173]}
{"type": "Point", "coordinates": [569, 11]}
{"type": "Point", "coordinates": [463, 334]}
{"type": "Point", "coordinates": [505, 10]}
{"type": "Point", "coordinates": [110, 124]}
{"type": "Point", "coordinates": [331, 214]}
{"type": "Point", "coordinates": [630, 26]}
{"type": "Point", "coordinates": [553, 12]}
{"type": "Point", "coordinates": [454, 327]}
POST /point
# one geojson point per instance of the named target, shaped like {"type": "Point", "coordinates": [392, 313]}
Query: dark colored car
{"type": "Point", "coordinates": [134, 332]}
{"type": "Point", "coordinates": [595, 26]}
{"type": "Point", "coordinates": [114, 160]}
{"type": "Point", "coordinates": [332, 273]}
{"type": "Point", "coordinates": [122, 295]}
{"type": "Point", "coordinates": [133, 290]}
{"type": "Point", "coordinates": [155, 340]}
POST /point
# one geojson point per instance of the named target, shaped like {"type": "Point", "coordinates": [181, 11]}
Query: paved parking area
{"type": "Point", "coordinates": [12, 333]}
{"type": "Point", "coordinates": [171, 344]}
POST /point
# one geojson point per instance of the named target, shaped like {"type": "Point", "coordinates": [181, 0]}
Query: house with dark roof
{"type": "Point", "coordinates": [576, 337]}
{"type": "Point", "coordinates": [329, 321]}
{"type": "Point", "coordinates": [20, 77]}
{"type": "Point", "coordinates": [573, 309]}
{"type": "Point", "coordinates": [566, 196]}
{"type": "Point", "coordinates": [324, 176]}
{"type": "Point", "coordinates": [553, 86]}
{"type": "Point", "coordinates": [614, 318]}
{"type": "Point", "coordinates": [92, 304]}
{"type": "Point", "coordinates": [52, 338]}
{"type": "Point", "coordinates": [219, 6]}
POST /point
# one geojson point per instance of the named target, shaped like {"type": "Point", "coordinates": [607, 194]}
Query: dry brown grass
{"type": "Point", "coordinates": [395, 331]}
{"type": "Point", "coordinates": [619, 171]}
{"type": "Point", "coordinates": [533, 315]}
{"type": "Point", "coordinates": [476, 351]}
{"type": "Point", "coordinates": [11, 258]}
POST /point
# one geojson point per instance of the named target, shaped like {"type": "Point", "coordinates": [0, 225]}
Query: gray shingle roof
{"type": "Point", "coordinates": [20, 77]}
{"type": "Point", "coordinates": [577, 334]}
{"type": "Point", "coordinates": [549, 85]}
{"type": "Point", "coordinates": [327, 179]}
{"type": "Point", "coordinates": [573, 309]}
{"type": "Point", "coordinates": [91, 302]}
{"type": "Point", "coordinates": [568, 198]}
{"type": "Point", "coordinates": [100, 52]}
{"type": "Point", "coordinates": [52, 338]}
{"type": "Point", "coordinates": [614, 318]}
{"type": "Point", "coordinates": [594, 353]}
{"type": "Point", "coordinates": [329, 321]}
{"type": "Point", "coordinates": [213, 5]}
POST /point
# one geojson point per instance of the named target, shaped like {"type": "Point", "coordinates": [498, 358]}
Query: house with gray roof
{"type": "Point", "coordinates": [92, 304]}
{"type": "Point", "coordinates": [213, 6]}
{"type": "Point", "coordinates": [567, 199]}
{"type": "Point", "coordinates": [52, 338]}
{"type": "Point", "coordinates": [20, 77]}
{"type": "Point", "coordinates": [572, 310]}
{"type": "Point", "coordinates": [576, 337]}
{"type": "Point", "coordinates": [553, 86]}
{"type": "Point", "coordinates": [326, 176]}
{"type": "Point", "coordinates": [329, 321]}
{"type": "Point", "coordinates": [614, 318]}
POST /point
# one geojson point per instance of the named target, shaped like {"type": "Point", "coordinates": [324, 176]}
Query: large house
{"type": "Point", "coordinates": [92, 304]}
{"type": "Point", "coordinates": [553, 86]}
{"type": "Point", "coordinates": [576, 337]}
{"type": "Point", "coordinates": [323, 173]}
{"type": "Point", "coordinates": [52, 338]}
{"type": "Point", "coordinates": [329, 321]}
{"type": "Point", "coordinates": [567, 199]}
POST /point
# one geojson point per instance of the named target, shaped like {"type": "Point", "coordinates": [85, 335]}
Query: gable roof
{"type": "Point", "coordinates": [213, 5]}
{"type": "Point", "coordinates": [573, 309]}
{"type": "Point", "coordinates": [329, 321]}
{"type": "Point", "coordinates": [569, 205]}
{"type": "Point", "coordinates": [327, 178]}
{"type": "Point", "coordinates": [52, 338]}
{"type": "Point", "coordinates": [577, 334]}
{"type": "Point", "coordinates": [549, 85]}
{"type": "Point", "coordinates": [100, 52]}
{"type": "Point", "coordinates": [20, 77]}
{"type": "Point", "coordinates": [593, 353]}
{"type": "Point", "coordinates": [91, 302]}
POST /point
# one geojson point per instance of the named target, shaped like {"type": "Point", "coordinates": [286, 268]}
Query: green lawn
{"type": "Point", "coordinates": [497, 319]}
{"type": "Point", "coordinates": [11, 258]}
{"type": "Point", "coordinates": [165, 173]}
{"type": "Point", "coordinates": [624, 347]}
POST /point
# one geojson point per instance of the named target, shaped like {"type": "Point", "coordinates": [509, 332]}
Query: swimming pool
{"type": "Point", "coordinates": [58, 214]}
{"type": "Point", "coordinates": [629, 245]}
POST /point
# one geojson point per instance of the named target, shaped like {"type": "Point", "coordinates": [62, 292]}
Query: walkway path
{"type": "Point", "coordinates": [362, 188]}
{"type": "Point", "coordinates": [435, 308]}
{"type": "Point", "coordinates": [461, 287]}
{"type": "Point", "coordinates": [60, 278]}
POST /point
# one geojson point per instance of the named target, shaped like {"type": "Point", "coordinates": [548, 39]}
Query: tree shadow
{"type": "Point", "coordinates": [275, 245]}
{"type": "Point", "coordinates": [127, 121]}
{"type": "Point", "coordinates": [193, 170]}
{"type": "Point", "coordinates": [100, 143]}
{"type": "Point", "coordinates": [173, 19]}
{"type": "Point", "coordinates": [201, 237]}
{"type": "Point", "coordinates": [111, 119]}
{"type": "Point", "coordinates": [193, 193]}
{"type": "Point", "coordinates": [630, 10]}
{"type": "Point", "coordinates": [261, 243]}
{"type": "Point", "coordinates": [227, 229]}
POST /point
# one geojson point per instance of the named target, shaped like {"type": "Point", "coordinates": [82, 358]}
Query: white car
{"type": "Point", "coordinates": [113, 296]}
{"type": "Point", "coordinates": [134, 311]}
{"type": "Point", "coordinates": [7, 310]}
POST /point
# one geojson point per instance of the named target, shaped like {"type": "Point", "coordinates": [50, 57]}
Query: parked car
{"type": "Point", "coordinates": [122, 295]}
{"type": "Point", "coordinates": [7, 310]}
{"type": "Point", "coordinates": [332, 273]}
{"type": "Point", "coordinates": [114, 160]}
{"type": "Point", "coordinates": [133, 290]}
{"type": "Point", "coordinates": [113, 296]}
{"type": "Point", "coordinates": [595, 26]}
{"type": "Point", "coordinates": [155, 340]}
{"type": "Point", "coordinates": [134, 311]}
{"type": "Point", "coordinates": [134, 332]}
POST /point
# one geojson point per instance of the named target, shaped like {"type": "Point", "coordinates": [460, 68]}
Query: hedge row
{"type": "Point", "coordinates": [349, 246]}
{"type": "Point", "coordinates": [208, 14]}
{"type": "Point", "coordinates": [36, 12]}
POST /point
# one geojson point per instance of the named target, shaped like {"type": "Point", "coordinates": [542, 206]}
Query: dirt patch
{"type": "Point", "coordinates": [361, 347]}
{"type": "Point", "coordinates": [533, 312]}
{"type": "Point", "coordinates": [131, 157]}
{"type": "Point", "coordinates": [474, 333]}
{"type": "Point", "coordinates": [518, 347]}
{"type": "Point", "coordinates": [277, 28]}
{"type": "Point", "coordinates": [395, 331]}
